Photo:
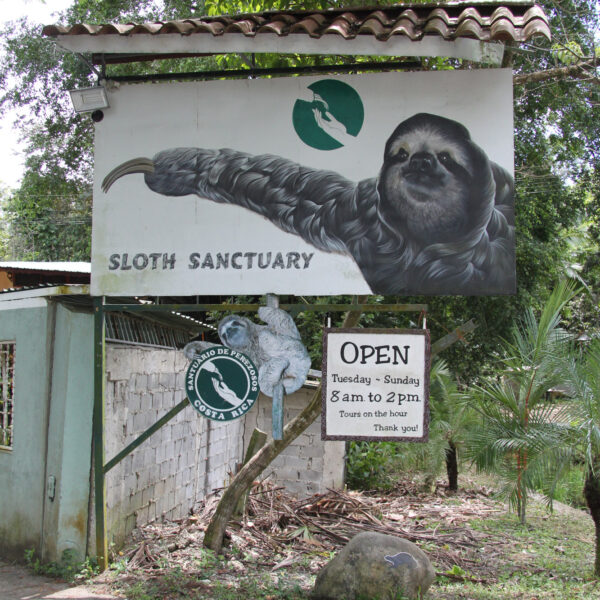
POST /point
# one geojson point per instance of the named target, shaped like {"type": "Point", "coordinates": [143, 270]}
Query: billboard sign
{"type": "Point", "coordinates": [390, 183]}
{"type": "Point", "coordinates": [375, 384]}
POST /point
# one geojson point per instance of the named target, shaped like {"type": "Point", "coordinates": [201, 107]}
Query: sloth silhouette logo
{"type": "Point", "coordinates": [222, 384]}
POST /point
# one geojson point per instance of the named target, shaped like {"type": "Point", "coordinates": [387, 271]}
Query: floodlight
{"type": "Point", "coordinates": [89, 99]}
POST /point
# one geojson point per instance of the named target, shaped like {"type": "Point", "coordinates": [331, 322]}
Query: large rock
{"type": "Point", "coordinates": [375, 566]}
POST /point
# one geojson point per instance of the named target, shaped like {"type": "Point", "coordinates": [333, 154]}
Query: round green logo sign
{"type": "Point", "coordinates": [222, 384]}
{"type": "Point", "coordinates": [333, 118]}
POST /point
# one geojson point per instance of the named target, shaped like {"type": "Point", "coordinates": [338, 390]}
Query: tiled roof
{"type": "Point", "coordinates": [504, 22]}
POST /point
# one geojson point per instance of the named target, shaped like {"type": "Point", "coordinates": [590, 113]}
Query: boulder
{"type": "Point", "coordinates": [375, 566]}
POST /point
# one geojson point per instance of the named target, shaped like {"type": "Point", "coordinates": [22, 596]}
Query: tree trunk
{"type": "Point", "coordinates": [452, 466]}
{"type": "Point", "coordinates": [591, 491]}
{"type": "Point", "coordinates": [213, 538]}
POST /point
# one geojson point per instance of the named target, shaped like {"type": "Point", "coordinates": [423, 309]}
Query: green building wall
{"type": "Point", "coordinates": [44, 479]}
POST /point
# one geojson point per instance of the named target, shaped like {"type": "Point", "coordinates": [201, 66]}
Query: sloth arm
{"type": "Point", "coordinates": [279, 321]}
{"type": "Point", "coordinates": [322, 207]}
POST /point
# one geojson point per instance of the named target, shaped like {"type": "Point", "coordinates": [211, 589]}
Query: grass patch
{"type": "Point", "coordinates": [551, 557]}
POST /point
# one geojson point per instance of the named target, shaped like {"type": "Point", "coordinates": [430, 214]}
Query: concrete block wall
{"type": "Point", "coordinates": [178, 465]}
{"type": "Point", "coordinates": [308, 465]}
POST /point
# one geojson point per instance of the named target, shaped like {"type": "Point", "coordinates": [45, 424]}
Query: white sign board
{"type": "Point", "coordinates": [375, 384]}
{"type": "Point", "coordinates": [391, 183]}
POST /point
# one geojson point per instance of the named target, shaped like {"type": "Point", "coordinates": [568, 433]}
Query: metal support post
{"type": "Point", "coordinates": [98, 434]}
{"type": "Point", "coordinates": [278, 391]}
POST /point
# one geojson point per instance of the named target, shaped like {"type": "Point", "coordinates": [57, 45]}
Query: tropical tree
{"type": "Point", "coordinates": [522, 436]}
{"type": "Point", "coordinates": [452, 421]}
{"type": "Point", "coordinates": [581, 372]}
{"type": "Point", "coordinates": [557, 135]}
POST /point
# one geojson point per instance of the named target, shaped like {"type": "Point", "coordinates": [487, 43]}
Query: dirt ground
{"type": "Point", "coordinates": [19, 583]}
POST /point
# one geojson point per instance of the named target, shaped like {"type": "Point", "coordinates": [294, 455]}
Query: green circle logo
{"type": "Point", "coordinates": [333, 118]}
{"type": "Point", "coordinates": [222, 384]}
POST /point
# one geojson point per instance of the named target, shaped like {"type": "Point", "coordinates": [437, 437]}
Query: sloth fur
{"type": "Point", "coordinates": [439, 218]}
{"type": "Point", "coordinates": [275, 348]}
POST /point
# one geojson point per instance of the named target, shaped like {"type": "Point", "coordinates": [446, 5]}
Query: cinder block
{"type": "Point", "coordinates": [157, 400]}
{"type": "Point", "coordinates": [153, 472]}
{"type": "Point", "coordinates": [141, 516]}
{"type": "Point", "coordinates": [171, 498]}
{"type": "Point", "coordinates": [314, 429]}
{"type": "Point", "coordinates": [149, 454]}
{"type": "Point", "coordinates": [285, 474]}
{"type": "Point", "coordinates": [147, 495]}
{"type": "Point", "coordinates": [138, 459]}
{"type": "Point", "coordinates": [167, 380]}
{"type": "Point", "coordinates": [315, 450]}
{"type": "Point", "coordinates": [130, 428]}
{"type": "Point", "coordinates": [168, 399]}
{"type": "Point", "coordinates": [295, 463]}
{"type": "Point", "coordinates": [135, 501]}
{"type": "Point", "coordinates": [139, 422]}
{"type": "Point", "coordinates": [159, 489]}
{"type": "Point", "coordinates": [164, 470]}
{"type": "Point", "coordinates": [312, 476]}
{"type": "Point", "coordinates": [161, 452]}
{"type": "Point", "coordinates": [145, 401]}
{"type": "Point", "coordinates": [141, 382]}
{"type": "Point", "coordinates": [170, 450]}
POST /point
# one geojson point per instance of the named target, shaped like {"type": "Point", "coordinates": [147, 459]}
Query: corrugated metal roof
{"type": "Point", "coordinates": [44, 290]}
{"type": "Point", "coordinates": [59, 267]}
{"type": "Point", "coordinates": [503, 22]}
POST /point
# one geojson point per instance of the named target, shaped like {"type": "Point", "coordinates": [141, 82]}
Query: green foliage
{"type": "Point", "coordinates": [452, 421]}
{"type": "Point", "coordinates": [581, 371]}
{"type": "Point", "coordinates": [569, 489]}
{"type": "Point", "coordinates": [47, 218]}
{"type": "Point", "coordinates": [68, 568]}
{"type": "Point", "coordinates": [369, 465]}
{"type": "Point", "coordinates": [522, 436]}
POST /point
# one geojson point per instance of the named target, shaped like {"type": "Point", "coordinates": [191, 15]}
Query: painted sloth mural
{"type": "Point", "coordinates": [439, 218]}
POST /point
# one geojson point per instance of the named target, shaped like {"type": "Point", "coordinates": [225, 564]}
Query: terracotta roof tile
{"type": "Point", "coordinates": [503, 30]}
{"type": "Point", "coordinates": [470, 13]}
{"type": "Point", "coordinates": [406, 27]}
{"type": "Point", "coordinates": [470, 28]}
{"type": "Point", "coordinates": [437, 25]}
{"type": "Point", "coordinates": [514, 21]}
{"type": "Point", "coordinates": [310, 24]}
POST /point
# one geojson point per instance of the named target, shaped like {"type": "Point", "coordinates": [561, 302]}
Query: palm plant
{"type": "Point", "coordinates": [451, 422]}
{"type": "Point", "coordinates": [449, 427]}
{"type": "Point", "coordinates": [521, 437]}
{"type": "Point", "coordinates": [582, 374]}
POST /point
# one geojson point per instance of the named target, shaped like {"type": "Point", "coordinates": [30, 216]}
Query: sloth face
{"type": "Point", "coordinates": [233, 332]}
{"type": "Point", "coordinates": [429, 179]}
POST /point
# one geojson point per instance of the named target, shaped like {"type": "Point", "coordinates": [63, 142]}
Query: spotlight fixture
{"type": "Point", "coordinates": [89, 99]}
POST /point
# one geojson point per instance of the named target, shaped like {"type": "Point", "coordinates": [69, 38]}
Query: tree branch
{"type": "Point", "coordinates": [577, 70]}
